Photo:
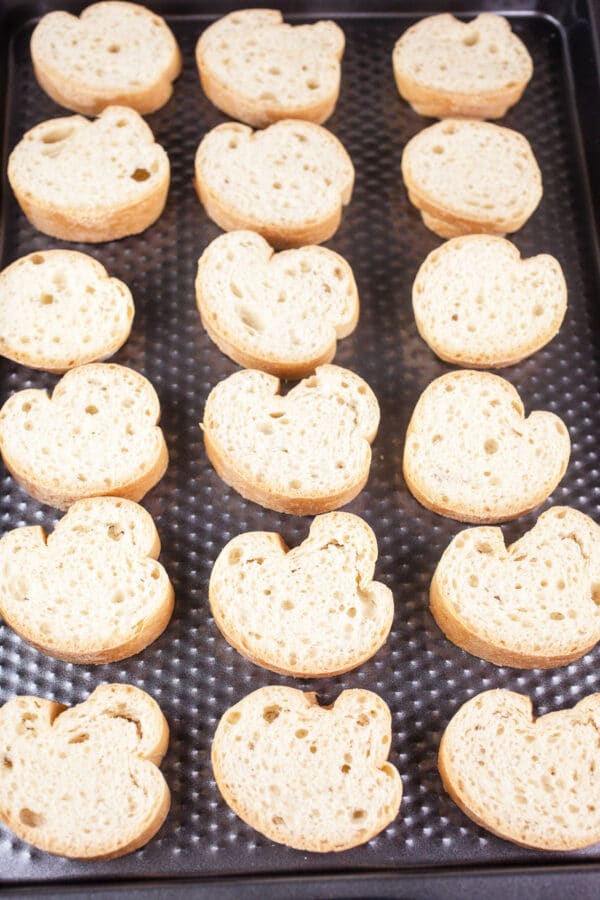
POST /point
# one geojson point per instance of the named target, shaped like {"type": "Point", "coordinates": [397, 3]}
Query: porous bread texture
{"type": "Point", "coordinates": [531, 605]}
{"type": "Point", "coordinates": [472, 455]}
{"type": "Point", "coordinates": [96, 435]}
{"type": "Point", "coordinates": [115, 53]}
{"type": "Point", "coordinates": [312, 611]}
{"type": "Point", "coordinates": [90, 181]}
{"type": "Point", "coordinates": [478, 304]}
{"type": "Point", "coordinates": [313, 777]}
{"type": "Point", "coordinates": [445, 67]}
{"type": "Point", "coordinates": [282, 313]}
{"type": "Point", "coordinates": [259, 70]}
{"type": "Point", "coordinates": [92, 591]}
{"type": "Point", "coordinates": [84, 782]}
{"type": "Point", "coordinates": [288, 182]}
{"type": "Point", "coordinates": [467, 177]}
{"type": "Point", "coordinates": [530, 781]}
{"type": "Point", "coordinates": [60, 309]}
{"type": "Point", "coordinates": [305, 453]}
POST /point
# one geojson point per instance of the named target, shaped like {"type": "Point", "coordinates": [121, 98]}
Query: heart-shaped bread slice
{"type": "Point", "coordinates": [305, 453]}
{"type": "Point", "coordinates": [115, 53]}
{"type": "Point", "coordinates": [288, 182]}
{"type": "Point", "coordinates": [92, 591]}
{"type": "Point", "coordinates": [533, 782]}
{"type": "Point", "coordinates": [259, 70]}
{"type": "Point", "coordinates": [84, 782]}
{"type": "Point", "coordinates": [282, 313]}
{"type": "Point", "coordinates": [445, 67]}
{"type": "Point", "coordinates": [312, 611]}
{"type": "Point", "coordinates": [96, 435]}
{"type": "Point", "coordinates": [313, 777]}
{"type": "Point", "coordinates": [477, 303]}
{"type": "Point", "coordinates": [531, 605]}
{"type": "Point", "coordinates": [471, 454]}
{"type": "Point", "coordinates": [90, 181]}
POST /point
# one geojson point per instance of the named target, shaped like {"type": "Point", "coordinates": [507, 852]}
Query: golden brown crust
{"type": "Point", "coordinates": [452, 104]}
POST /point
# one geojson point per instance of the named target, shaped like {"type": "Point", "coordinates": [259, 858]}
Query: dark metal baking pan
{"type": "Point", "coordinates": [191, 670]}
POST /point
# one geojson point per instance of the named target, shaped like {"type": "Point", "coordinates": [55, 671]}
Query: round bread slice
{"type": "Point", "coordinates": [478, 304]}
{"type": "Point", "coordinates": [259, 70]}
{"type": "Point", "coordinates": [471, 176]}
{"type": "Point", "coordinates": [531, 605]}
{"type": "Point", "coordinates": [313, 777]}
{"type": "Point", "coordinates": [60, 309]}
{"type": "Point", "coordinates": [471, 454]}
{"type": "Point", "coordinates": [92, 591]}
{"type": "Point", "coordinates": [282, 313]}
{"type": "Point", "coordinates": [312, 611]}
{"type": "Point", "coordinates": [530, 781]}
{"type": "Point", "coordinates": [96, 436]}
{"type": "Point", "coordinates": [304, 453]}
{"type": "Point", "coordinates": [114, 54]}
{"type": "Point", "coordinates": [288, 182]}
{"type": "Point", "coordinates": [445, 67]}
{"type": "Point", "coordinates": [90, 181]}
{"type": "Point", "coordinates": [84, 782]}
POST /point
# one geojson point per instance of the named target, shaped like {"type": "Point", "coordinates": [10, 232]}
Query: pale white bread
{"type": "Point", "coordinates": [472, 455]}
{"type": "Point", "coordinates": [305, 453]}
{"type": "Point", "coordinates": [532, 605]}
{"type": "Point", "coordinates": [312, 611]}
{"type": "Point", "coordinates": [81, 180]}
{"type": "Point", "coordinates": [84, 782]}
{"type": "Point", "coordinates": [531, 781]}
{"type": "Point", "coordinates": [60, 309]}
{"type": "Point", "coordinates": [315, 778]}
{"type": "Point", "coordinates": [259, 70]}
{"type": "Point", "coordinates": [92, 591]}
{"type": "Point", "coordinates": [96, 435]}
{"type": "Point", "coordinates": [288, 182]}
{"type": "Point", "coordinates": [279, 312]}
{"type": "Point", "coordinates": [445, 67]}
{"type": "Point", "coordinates": [114, 54]}
{"type": "Point", "coordinates": [467, 176]}
{"type": "Point", "coordinates": [478, 304]}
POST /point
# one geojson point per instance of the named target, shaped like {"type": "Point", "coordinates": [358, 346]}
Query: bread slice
{"type": "Point", "coordinates": [532, 605]}
{"type": "Point", "coordinates": [60, 309]}
{"type": "Point", "coordinates": [288, 182]}
{"type": "Point", "coordinates": [471, 454]}
{"type": "Point", "coordinates": [259, 70]}
{"type": "Point", "coordinates": [92, 591]}
{"type": "Point", "coordinates": [96, 435]}
{"type": "Point", "coordinates": [282, 313]}
{"type": "Point", "coordinates": [445, 67]}
{"type": "Point", "coordinates": [305, 453]}
{"type": "Point", "coordinates": [478, 304]}
{"type": "Point", "coordinates": [468, 176]}
{"type": "Point", "coordinates": [532, 782]}
{"type": "Point", "coordinates": [115, 53]}
{"type": "Point", "coordinates": [313, 777]}
{"type": "Point", "coordinates": [84, 782]}
{"type": "Point", "coordinates": [312, 611]}
{"type": "Point", "coordinates": [90, 181]}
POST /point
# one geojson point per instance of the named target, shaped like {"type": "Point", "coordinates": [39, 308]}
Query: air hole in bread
{"type": "Point", "coordinates": [7, 762]}
{"type": "Point", "coordinates": [277, 185]}
{"type": "Point", "coordinates": [270, 713]}
{"type": "Point", "coordinates": [312, 85]}
{"type": "Point", "coordinates": [79, 738]}
{"type": "Point", "coordinates": [91, 410]}
{"type": "Point", "coordinates": [490, 446]}
{"type": "Point", "coordinates": [141, 175]}
{"type": "Point", "coordinates": [277, 820]}
{"type": "Point", "coordinates": [57, 134]}
{"type": "Point", "coordinates": [471, 39]}
{"type": "Point", "coordinates": [114, 48]}
{"type": "Point", "coordinates": [437, 149]}
{"type": "Point", "coordinates": [358, 814]}
{"type": "Point", "coordinates": [268, 96]}
{"type": "Point", "coordinates": [274, 71]}
{"type": "Point", "coordinates": [250, 320]}
{"type": "Point", "coordinates": [233, 718]}
{"type": "Point", "coordinates": [483, 548]}
{"type": "Point", "coordinates": [301, 733]}
{"type": "Point", "coordinates": [30, 818]}
{"type": "Point", "coordinates": [313, 748]}
{"type": "Point", "coordinates": [449, 128]}
{"type": "Point", "coordinates": [37, 259]}
{"type": "Point", "coordinates": [46, 299]}
{"type": "Point", "coordinates": [287, 605]}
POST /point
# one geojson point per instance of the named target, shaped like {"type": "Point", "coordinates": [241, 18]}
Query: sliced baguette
{"type": "Point", "coordinates": [288, 182]}
{"type": "Point", "coordinates": [259, 70]}
{"type": "Point", "coordinates": [532, 782]}
{"type": "Point", "coordinates": [282, 313]}
{"type": "Point", "coordinates": [96, 435]}
{"type": "Point", "coordinates": [90, 181]}
{"type": "Point", "coordinates": [313, 777]}
{"type": "Point", "coordinates": [471, 454]}
{"type": "Point", "coordinates": [478, 304]}
{"type": "Point", "coordinates": [304, 453]}
{"type": "Point", "coordinates": [84, 782]}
